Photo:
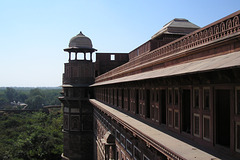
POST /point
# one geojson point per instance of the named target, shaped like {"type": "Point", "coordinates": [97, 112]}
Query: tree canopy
{"type": "Point", "coordinates": [31, 136]}
{"type": "Point", "coordinates": [34, 98]}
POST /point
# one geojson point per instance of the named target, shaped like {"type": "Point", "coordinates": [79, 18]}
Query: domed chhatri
{"type": "Point", "coordinates": [80, 41]}
{"type": "Point", "coordinates": [80, 44]}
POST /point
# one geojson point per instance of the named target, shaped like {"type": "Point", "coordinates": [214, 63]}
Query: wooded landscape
{"type": "Point", "coordinates": [35, 135]}
{"type": "Point", "coordinates": [34, 98]}
{"type": "Point", "coordinates": [31, 136]}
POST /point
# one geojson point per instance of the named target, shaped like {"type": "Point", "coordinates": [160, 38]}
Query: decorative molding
{"type": "Point", "coordinates": [218, 30]}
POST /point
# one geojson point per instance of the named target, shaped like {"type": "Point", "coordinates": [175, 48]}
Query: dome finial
{"type": "Point", "coordinates": [81, 33]}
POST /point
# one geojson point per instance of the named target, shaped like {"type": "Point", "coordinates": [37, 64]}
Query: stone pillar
{"type": "Point", "coordinates": [69, 58]}
{"type": "Point", "coordinates": [84, 56]}
{"type": "Point", "coordinates": [75, 55]}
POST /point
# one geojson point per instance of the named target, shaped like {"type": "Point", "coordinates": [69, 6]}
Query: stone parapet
{"type": "Point", "coordinates": [220, 30]}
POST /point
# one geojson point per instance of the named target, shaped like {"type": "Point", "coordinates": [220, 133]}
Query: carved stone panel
{"type": "Point", "coordinates": [66, 121]}
{"type": "Point", "coordinates": [75, 123]}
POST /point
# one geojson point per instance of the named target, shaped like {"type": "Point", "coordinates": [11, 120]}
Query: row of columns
{"type": "Point", "coordinates": [76, 56]}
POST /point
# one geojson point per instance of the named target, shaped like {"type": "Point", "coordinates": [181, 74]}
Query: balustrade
{"type": "Point", "coordinates": [217, 30]}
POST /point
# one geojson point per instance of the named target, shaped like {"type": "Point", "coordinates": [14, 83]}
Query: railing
{"type": "Point", "coordinates": [217, 30]}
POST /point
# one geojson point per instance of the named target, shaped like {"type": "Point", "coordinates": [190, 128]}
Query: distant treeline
{"type": "Point", "coordinates": [30, 98]}
{"type": "Point", "coordinates": [29, 88]}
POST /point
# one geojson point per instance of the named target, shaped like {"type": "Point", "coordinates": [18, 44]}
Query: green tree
{"type": "Point", "coordinates": [22, 97]}
{"type": "Point", "coordinates": [31, 136]}
{"type": "Point", "coordinates": [35, 98]}
{"type": "Point", "coordinates": [35, 102]}
{"type": "Point", "coordinates": [11, 94]}
{"type": "Point", "coordinates": [36, 92]}
{"type": "Point", "coordinates": [3, 102]}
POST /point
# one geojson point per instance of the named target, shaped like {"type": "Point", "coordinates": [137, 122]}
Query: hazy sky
{"type": "Point", "coordinates": [33, 33]}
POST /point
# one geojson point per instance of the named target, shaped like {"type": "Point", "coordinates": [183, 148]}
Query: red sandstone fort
{"type": "Point", "coordinates": [175, 97]}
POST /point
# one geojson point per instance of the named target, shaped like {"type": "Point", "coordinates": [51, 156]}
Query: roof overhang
{"type": "Point", "coordinates": [76, 49]}
{"type": "Point", "coordinates": [226, 61]}
{"type": "Point", "coordinates": [74, 85]}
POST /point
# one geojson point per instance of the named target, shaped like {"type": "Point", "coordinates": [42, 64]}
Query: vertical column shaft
{"type": "Point", "coordinates": [69, 58]}
{"type": "Point", "coordinates": [84, 56]}
{"type": "Point", "coordinates": [75, 55]}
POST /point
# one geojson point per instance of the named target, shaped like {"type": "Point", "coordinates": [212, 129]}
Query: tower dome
{"type": "Point", "coordinates": [80, 41]}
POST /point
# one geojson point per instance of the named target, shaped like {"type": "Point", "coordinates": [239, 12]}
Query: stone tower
{"type": "Point", "coordinates": [78, 112]}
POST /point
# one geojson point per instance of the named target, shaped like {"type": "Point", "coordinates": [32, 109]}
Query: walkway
{"type": "Point", "coordinates": [161, 141]}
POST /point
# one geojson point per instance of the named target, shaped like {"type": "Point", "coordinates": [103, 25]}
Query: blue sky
{"type": "Point", "coordinates": [33, 33]}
